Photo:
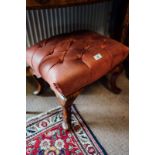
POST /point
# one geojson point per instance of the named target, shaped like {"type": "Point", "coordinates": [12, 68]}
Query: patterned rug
{"type": "Point", "coordinates": [45, 136]}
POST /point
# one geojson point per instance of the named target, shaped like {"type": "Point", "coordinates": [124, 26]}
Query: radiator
{"type": "Point", "coordinates": [44, 23]}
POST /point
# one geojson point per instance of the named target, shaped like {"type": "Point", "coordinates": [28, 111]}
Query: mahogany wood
{"type": "Point", "coordinates": [66, 106]}
{"type": "Point", "coordinates": [29, 73]}
{"type": "Point", "coordinates": [125, 27]}
{"type": "Point", "coordinates": [42, 4]}
{"type": "Point", "coordinates": [110, 79]}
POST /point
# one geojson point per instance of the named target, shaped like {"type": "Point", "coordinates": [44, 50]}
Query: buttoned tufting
{"type": "Point", "coordinates": [72, 61]}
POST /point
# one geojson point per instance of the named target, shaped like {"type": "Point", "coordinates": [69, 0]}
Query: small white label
{"type": "Point", "coordinates": [97, 56]}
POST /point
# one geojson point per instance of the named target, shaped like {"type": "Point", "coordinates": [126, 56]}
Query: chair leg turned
{"type": "Point", "coordinates": [66, 103]}
{"type": "Point", "coordinates": [29, 73]}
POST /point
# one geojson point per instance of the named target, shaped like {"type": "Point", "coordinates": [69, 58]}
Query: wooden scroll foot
{"type": "Point", "coordinates": [66, 103]}
{"type": "Point", "coordinates": [29, 73]}
{"type": "Point", "coordinates": [111, 79]}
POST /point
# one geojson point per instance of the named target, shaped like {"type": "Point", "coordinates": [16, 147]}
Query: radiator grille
{"type": "Point", "coordinates": [41, 24]}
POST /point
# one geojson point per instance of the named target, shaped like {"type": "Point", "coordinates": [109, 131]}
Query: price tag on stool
{"type": "Point", "coordinates": [97, 56]}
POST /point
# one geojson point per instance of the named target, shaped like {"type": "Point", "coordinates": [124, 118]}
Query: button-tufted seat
{"type": "Point", "coordinates": [72, 61]}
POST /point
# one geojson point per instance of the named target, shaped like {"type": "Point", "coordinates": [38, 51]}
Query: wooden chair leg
{"type": "Point", "coordinates": [66, 124]}
{"type": "Point", "coordinates": [111, 79]}
{"type": "Point", "coordinates": [38, 89]}
{"type": "Point", "coordinates": [66, 103]}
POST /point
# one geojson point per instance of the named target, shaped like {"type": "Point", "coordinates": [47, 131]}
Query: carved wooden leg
{"type": "Point", "coordinates": [38, 89]}
{"type": "Point", "coordinates": [66, 124]}
{"type": "Point", "coordinates": [111, 79]}
{"type": "Point", "coordinates": [66, 103]}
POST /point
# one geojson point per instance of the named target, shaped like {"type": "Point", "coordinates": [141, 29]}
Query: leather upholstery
{"type": "Point", "coordinates": [67, 62]}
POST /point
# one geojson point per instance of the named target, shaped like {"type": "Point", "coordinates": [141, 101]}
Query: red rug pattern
{"type": "Point", "coordinates": [45, 136]}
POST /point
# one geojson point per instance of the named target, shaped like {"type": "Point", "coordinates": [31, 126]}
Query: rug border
{"type": "Point", "coordinates": [102, 148]}
{"type": "Point", "coordinates": [74, 106]}
{"type": "Point", "coordinates": [37, 116]}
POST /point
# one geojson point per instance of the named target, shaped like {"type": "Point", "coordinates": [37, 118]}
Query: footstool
{"type": "Point", "coordinates": [69, 62]}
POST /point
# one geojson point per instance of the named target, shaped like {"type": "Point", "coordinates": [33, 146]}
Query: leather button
{"type": "Point", "coordinates": [102, 46]}
{"type": "Point", "coordinates": [61, 60]}
{"type": "Point", "coordinates": [87, 47]}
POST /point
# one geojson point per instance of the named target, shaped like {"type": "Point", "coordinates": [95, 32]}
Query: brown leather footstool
{"type": "Point", "coordinates": [70, 62]}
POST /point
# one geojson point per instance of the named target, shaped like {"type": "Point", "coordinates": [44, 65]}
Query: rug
{"type": "Point", "coordinates": [45, 136]}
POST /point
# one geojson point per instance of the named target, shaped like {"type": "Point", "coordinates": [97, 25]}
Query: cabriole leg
{"type": "Point", "coordinates": [111, 79]}
{"type": "Point", "coordinates": [66, 103]}
{"type": "Point", "coordinates": [29, 73]}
